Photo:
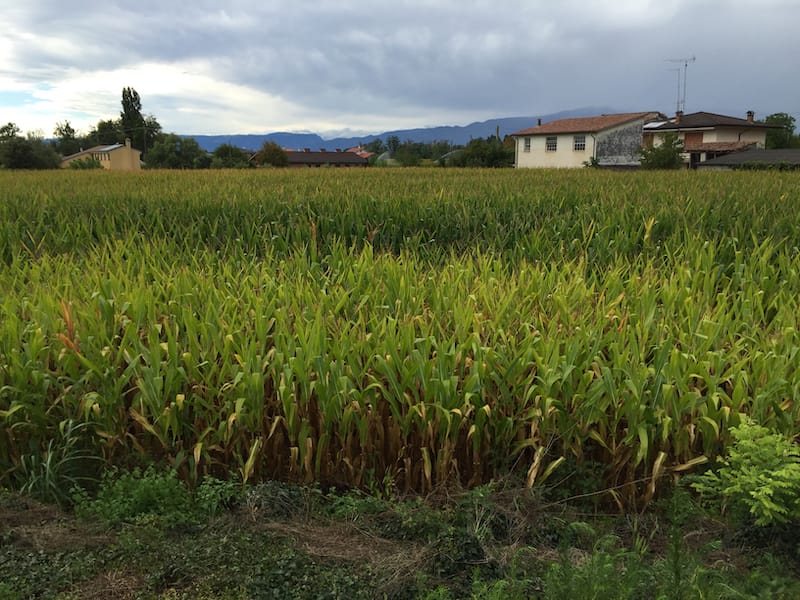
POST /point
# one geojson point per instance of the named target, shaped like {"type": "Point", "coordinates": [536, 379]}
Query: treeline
{"type": "Point", "coordinates": [162, 150]}
{"type": "Point", "coordinates": [480, 152]}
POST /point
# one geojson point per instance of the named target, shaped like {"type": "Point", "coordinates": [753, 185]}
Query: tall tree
{"type": "Point", "coordinates": [141, 130]}
{"type": "Point", "coordinates": [66, 141]}
{"type": "Point", "coordinates": [783, 137]}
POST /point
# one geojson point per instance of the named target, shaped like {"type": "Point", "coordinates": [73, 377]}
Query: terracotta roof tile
{"type": "Point", "coordinates": [586, 124]}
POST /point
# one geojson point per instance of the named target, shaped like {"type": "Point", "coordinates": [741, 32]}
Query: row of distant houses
{"type": "Point", "coordinates": [613, 141]}
{"type": "Point", "coordinates": [709, 140]}
{"type": "Point", "coordinates": [123, 157]}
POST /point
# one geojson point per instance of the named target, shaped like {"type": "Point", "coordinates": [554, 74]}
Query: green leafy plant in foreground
{"type": "Point", "coordinates": [759, 479]}
{"type": "Point", "coordinates": [49, 474]}
{"type": "Point", "coordinates": [140, 497]}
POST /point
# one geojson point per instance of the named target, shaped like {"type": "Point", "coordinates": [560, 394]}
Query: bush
{"type": "Point", "coordinates": [140, 497]}
{"type": "Point", "coordinates": [666, 156]}
{"type": "Point", "coordinates": [760, 478]}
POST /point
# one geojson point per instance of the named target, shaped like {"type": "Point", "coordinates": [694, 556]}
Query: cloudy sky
{"type": "Point", "coordinates": [367, 66]}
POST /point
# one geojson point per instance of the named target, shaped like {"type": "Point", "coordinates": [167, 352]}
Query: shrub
{"type": "Point", "coordinates": [140, 497]}
{"type": "Point", "coordinates": [759, 479]}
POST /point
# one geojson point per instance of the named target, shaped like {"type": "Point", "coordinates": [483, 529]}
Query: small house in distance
{"type": "Point", "coordinates": [323, 158]}
{"type": "Point", "coordinates": [708, 135]}
{"type": "Point", "coordinates": [114, 157]}
{"type": "Point", "coordinates": [606, 140]}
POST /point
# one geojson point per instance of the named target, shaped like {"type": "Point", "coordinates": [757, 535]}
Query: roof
{"type": "Point", "coordinates": [767, 157]}
{"type": "Point", "coordinates": [360, 151]}
{"type": "Point", "coordinates": [326, 158]}
{"type": "Point", "coordinates": [96, 149]}
{"type": "Point", "coordinates": [718, 146]}
{"type": "Point", "coordinates": [587, 124]}
{"type": "Point", "coordinates": [699, 120]}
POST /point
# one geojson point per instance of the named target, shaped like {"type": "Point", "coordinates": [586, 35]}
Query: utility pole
{"type": "Point", "coordinates": [685, 61]}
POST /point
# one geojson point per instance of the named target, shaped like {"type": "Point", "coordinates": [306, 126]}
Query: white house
{"type": "Point", "coordinates": [606, 140]}
{"type": "Point", "coordinates": [708, 135]}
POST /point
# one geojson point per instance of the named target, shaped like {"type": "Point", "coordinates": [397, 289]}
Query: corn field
{"type": "Point", "coordinates": [421, 327]}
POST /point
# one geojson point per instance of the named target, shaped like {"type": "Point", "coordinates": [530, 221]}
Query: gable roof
{"type": "Point", "coordinates": [98, 149]}
{"type": "Point", "coordinates": [767, 157]}
{"type": "Point", "coordinates": [708, 120]}
{"type": "Point", "coordinates": [326, 158]}
{"type": "Point", "coordinates": [587, 124]}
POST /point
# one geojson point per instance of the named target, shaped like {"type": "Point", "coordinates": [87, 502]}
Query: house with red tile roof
{"type": "Point", "coordinates": [708, 135]}
{"type": "Point", "coordinates": [324, 158]}
{"type": "Point", "coordinates": [605, 140]}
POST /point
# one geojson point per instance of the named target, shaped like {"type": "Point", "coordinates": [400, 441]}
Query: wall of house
{"type": "Point", "coordinates": [564, 157]}
{"type": "Point", "coordinates": [123, 159]}
{"type": "Point", "coordinates": [620, 146]}
{"type": "Point", "coordinates": [721, 134]}
{"type": "Point", "coordinates": [732, 134]}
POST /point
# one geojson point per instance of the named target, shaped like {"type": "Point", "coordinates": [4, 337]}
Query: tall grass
{"type": "Point", "coordinates": [420, 326]}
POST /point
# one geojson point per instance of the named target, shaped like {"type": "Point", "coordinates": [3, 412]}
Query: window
{"type": "Point", "coordinates": [527, 147]}
{"type": "Point", "coordinates": [551, 143]}
{"type": "Point", "coordinates": [579, 143]}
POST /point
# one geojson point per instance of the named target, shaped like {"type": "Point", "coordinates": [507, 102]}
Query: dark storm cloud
{"type": "Point", "coordinates": [385, 59]}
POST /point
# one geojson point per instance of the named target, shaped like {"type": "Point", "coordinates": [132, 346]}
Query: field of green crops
{"type": "Point", "coordinates": [403, 327]}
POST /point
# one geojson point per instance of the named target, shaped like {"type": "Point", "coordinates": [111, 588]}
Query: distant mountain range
{"type": "Point", "coordinates": [454, 134]}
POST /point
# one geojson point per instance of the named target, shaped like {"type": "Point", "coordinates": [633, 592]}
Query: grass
{"type": "Point", "coordinates": [350, 545]}
{"type": "Point", "coordinates": [271, 336]}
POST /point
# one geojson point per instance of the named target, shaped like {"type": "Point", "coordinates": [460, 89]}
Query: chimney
{"type": "Point", "coordinates": [539, 122]}
{"type": "Point", "coordinates": [678, 116]}
{"type": "Point", "coordinates": [128, 142]}
{"type": "Point", "coordinates": [751, 115]}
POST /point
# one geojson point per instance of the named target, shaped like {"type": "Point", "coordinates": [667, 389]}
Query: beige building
{"type": "Point", "coordinates": [116, 157]}
{"type": "Point", "coordinates": [606, 140]}
{"type": "Point", "coordinates": [708, 135]}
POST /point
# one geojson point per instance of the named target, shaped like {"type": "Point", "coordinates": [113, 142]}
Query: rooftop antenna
{"type": "Point", "coordinates": [685, 62]}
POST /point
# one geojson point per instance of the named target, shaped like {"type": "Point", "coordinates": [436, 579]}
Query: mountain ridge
{"type": "Point", "coordinates": [455, 134]}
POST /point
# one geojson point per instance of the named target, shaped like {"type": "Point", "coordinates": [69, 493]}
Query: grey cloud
{"type": "Point", "coordinates": [483, 58]}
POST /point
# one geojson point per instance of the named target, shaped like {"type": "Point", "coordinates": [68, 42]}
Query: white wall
{"type": "Point", "coordinates": [564, 156]}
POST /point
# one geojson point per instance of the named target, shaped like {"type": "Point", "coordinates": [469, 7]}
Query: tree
{"type": "Point", "coordinates": [489, 152]}
{"type": "Point", "coordinates": [666, 156]}
{"type": "Point", "coordinates": [17, 152]}
{"type": "Point", "coordinates": [272, 154]}
{"type": "Point", "coordinates": [376, 146]}
{"type": "Point", "coordinates": [783, 137]}
{"type": "Point", "coordinates": [228, 156]}
{"type": "Point", "coordinates": [105, 133]}
{"type": "Point", "coordinates": [66, 141]}
{"type": "Point", "coordinates": [392, 143]}
{"type": "Point", "coordinates": [172, 151]}
{"type": "Point", "coordinates": [8, 131]}
{"type": "Point", "coordinates": [142, 131]}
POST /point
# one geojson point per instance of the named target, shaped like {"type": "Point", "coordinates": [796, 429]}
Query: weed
{"type": "Point", "coordinates": [50, 474]}
{"type": "Point", "coordinates": [148, 497]}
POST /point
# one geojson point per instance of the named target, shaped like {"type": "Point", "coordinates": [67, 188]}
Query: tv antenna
{"type": "Point", "coordinates": [681, 104]}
